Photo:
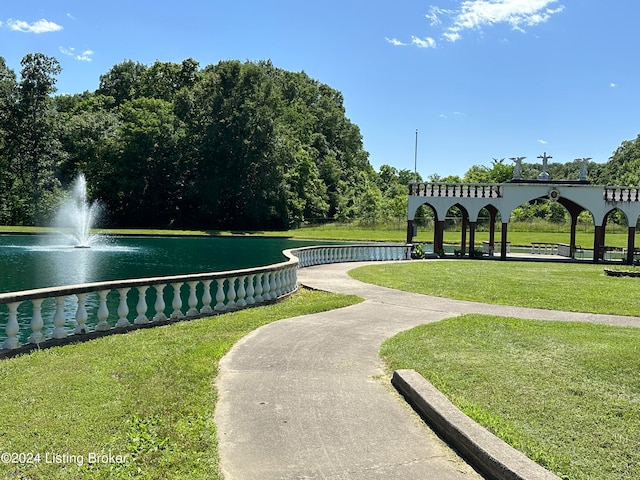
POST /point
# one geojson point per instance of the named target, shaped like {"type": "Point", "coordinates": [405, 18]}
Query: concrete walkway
{"type": "Point", "coordinates": [306, 398]}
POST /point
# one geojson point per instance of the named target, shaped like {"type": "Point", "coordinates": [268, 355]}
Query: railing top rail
{"type": "Point", "coordinates": [65, 290]}
{"type": "Point", "coordinates": [456, 184]}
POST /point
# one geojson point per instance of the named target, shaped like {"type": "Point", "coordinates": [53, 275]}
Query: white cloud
{"type": "Point", "coordinates": [613, 85]}
{"type": "Point", "coordinates": [543, 142]}
{"type": "Point", "coordinates": [426, 42]}
{"type": "Point", "coordinates": [435, 13]}
{"type": "Point", "coordinates": [475, 14]}
{"type": "Point", "coordinates": [41, 26]}
{"type": "Point", "coordinates": [395, 41]}
{"type": "Point", "coordinates": [452, 115]}
{"type": "Point", "coordinates": [84, 56]}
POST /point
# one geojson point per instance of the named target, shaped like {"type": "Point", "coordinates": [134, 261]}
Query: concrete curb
{"type": "Point", "coordinates": [485, 452]}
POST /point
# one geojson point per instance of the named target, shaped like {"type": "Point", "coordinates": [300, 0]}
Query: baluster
{"type": "Point", "coordinates": [258, 294]}
{"type": "Point", "coordinates": [176, 303]}
{"type": "Point", "coordinates": [278, 275]}
{"type": "Point", "coordinates": [285, 280]}
{"type": "Point", "coordinates": [293, 279]}
{"type": "Point", "coordinates": [273, 286]}
{"type": "Point", "coordinates": [81, 314]}
{"type": "Point", "coordinates": [36, 322]}
{"type": "Point", "coordinates": [266, 286]}
{"type": "Point", "coordinates": [123, 308]}
{"type": "Point", "coordinates": [432, 191]}
{"type": "Point", "coordinates": [231, 293]}
{"type": "Point", "coordinates": [206, 297]}
{"type": "Point", "coordinates": [250, 290]}
{"type": "Point", "coordinates": [103, 311]}
{"type": "Point", "coordinates": [220, 295]}
{"type": "Point", "coordinates": [241, 292]}
{"type": "Point", "coordinates": [193, 299]}
{"type": "Point", "coordinates": [12, 329]}
{"type": "Point", "coordinates": [58, 319]}
{"type": "Point", "coordinates": [141, 307]}
{"type": "Point", "coordinates": [159, 304]}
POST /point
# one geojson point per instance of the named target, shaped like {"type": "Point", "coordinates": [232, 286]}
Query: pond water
{"type": "Point", "coordinates": [35, 261]}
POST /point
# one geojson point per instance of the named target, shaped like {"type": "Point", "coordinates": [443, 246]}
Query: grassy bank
{"type": "Point", "coordinates": [558, 286]}
{"type": "Point", "coordinates": [519, 235]}
{"type": "Point", "coordinates": [147, 396]}
{"type": "Point", "coordinates": [567, 395]}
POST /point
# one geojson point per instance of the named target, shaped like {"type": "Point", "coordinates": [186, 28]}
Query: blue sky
{"type": "Point", "coordinates": [478, 79]}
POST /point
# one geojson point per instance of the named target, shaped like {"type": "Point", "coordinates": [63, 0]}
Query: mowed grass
{"type": "Point", "coordinates": [148, 396]}
{"type": "Point", "coordinates": [575, 287]}
{"type": "Point", "coordinates": [567, 395]}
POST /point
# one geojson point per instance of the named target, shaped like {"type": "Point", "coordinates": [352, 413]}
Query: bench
{"type": "Point", "coordinates": [546, 248]}
{"type": "Point", "coordinates": [488, 249]}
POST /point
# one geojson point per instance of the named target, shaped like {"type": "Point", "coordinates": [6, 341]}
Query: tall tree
{"type": "Point", "coordinates": [38, 148]}
{"type": "Point", "coordinates": [237, 180]}
{"type": "Point", "coordinates": [8, 132]}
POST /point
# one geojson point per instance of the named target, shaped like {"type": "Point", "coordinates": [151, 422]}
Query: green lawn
{"type": "Point", "coordinates": [571, 287]}
{"type": "Point", "coordinates": [147, 395]}
{"type": "Point", "coordinates": [395, 232]}
{"type": "Point", "coordinates": [567, 395]}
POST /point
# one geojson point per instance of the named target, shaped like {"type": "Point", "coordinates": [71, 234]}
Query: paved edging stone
{"type": "Point", "coordinates": [484, 451]}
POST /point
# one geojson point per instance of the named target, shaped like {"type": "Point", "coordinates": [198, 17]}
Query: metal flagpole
{"type": "Point", "coordinates": [415, 160]}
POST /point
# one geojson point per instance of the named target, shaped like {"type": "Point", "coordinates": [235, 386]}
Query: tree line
{"type": "Point", "coordinates": [236, 145]}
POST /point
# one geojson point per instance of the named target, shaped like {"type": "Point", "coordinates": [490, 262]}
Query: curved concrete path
{"type": "Point", "coordinates": [306, 398]}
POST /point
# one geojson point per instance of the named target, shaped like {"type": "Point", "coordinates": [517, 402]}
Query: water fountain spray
{"type": "Point", "coordinates": [76, 216]}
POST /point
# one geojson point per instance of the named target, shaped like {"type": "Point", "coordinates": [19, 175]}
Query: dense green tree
{"type": "Point", "coordinates": [498, 172]}
{"type": "Point", "coordinates": [125, 81]}
{"type": "Point", "coordinates": [236, 179]}
{"type": "Point", "coordinates": [8, 144]}
{"type": "Point", "coordinates": [37, 151]}
{"type": "Point", "coordinates": [623, 168]}
{"type": "Point", "coordinates": [144, 165]}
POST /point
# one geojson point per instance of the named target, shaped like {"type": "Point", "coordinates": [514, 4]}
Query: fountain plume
{"type": "Point", "coordinates": [76, 215]}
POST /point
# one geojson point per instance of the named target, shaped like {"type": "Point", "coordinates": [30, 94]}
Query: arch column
{"type": "Point", "coordinates": [493, 214]}
{"type": "Point", "coordinates": [598, 242]}
{"type": "Point", "coordinates": [631, 244]}
{"type": "Point", "coordinates": [409, 231]}
{"type": "Point", "coordinates": [463, 240]}
{"type": "Point", "coordinates": [503, 245]}
{"type": "Point", "coordinates": [472, 238]}
{"type": "Point", "coordinates": [574, 212]}
{"type": "Point", "coordinates": [438, 235]}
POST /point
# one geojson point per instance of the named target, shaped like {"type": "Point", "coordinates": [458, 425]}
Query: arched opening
{"type": "Point", "coordinates": [614, 222]}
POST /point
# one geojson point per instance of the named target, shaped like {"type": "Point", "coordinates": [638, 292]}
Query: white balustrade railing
{"type": "Point", "coordinates": [103, 306]}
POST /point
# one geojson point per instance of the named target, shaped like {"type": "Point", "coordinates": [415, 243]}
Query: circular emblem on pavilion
{"type": "Point", "coordinates": [554, 194]}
